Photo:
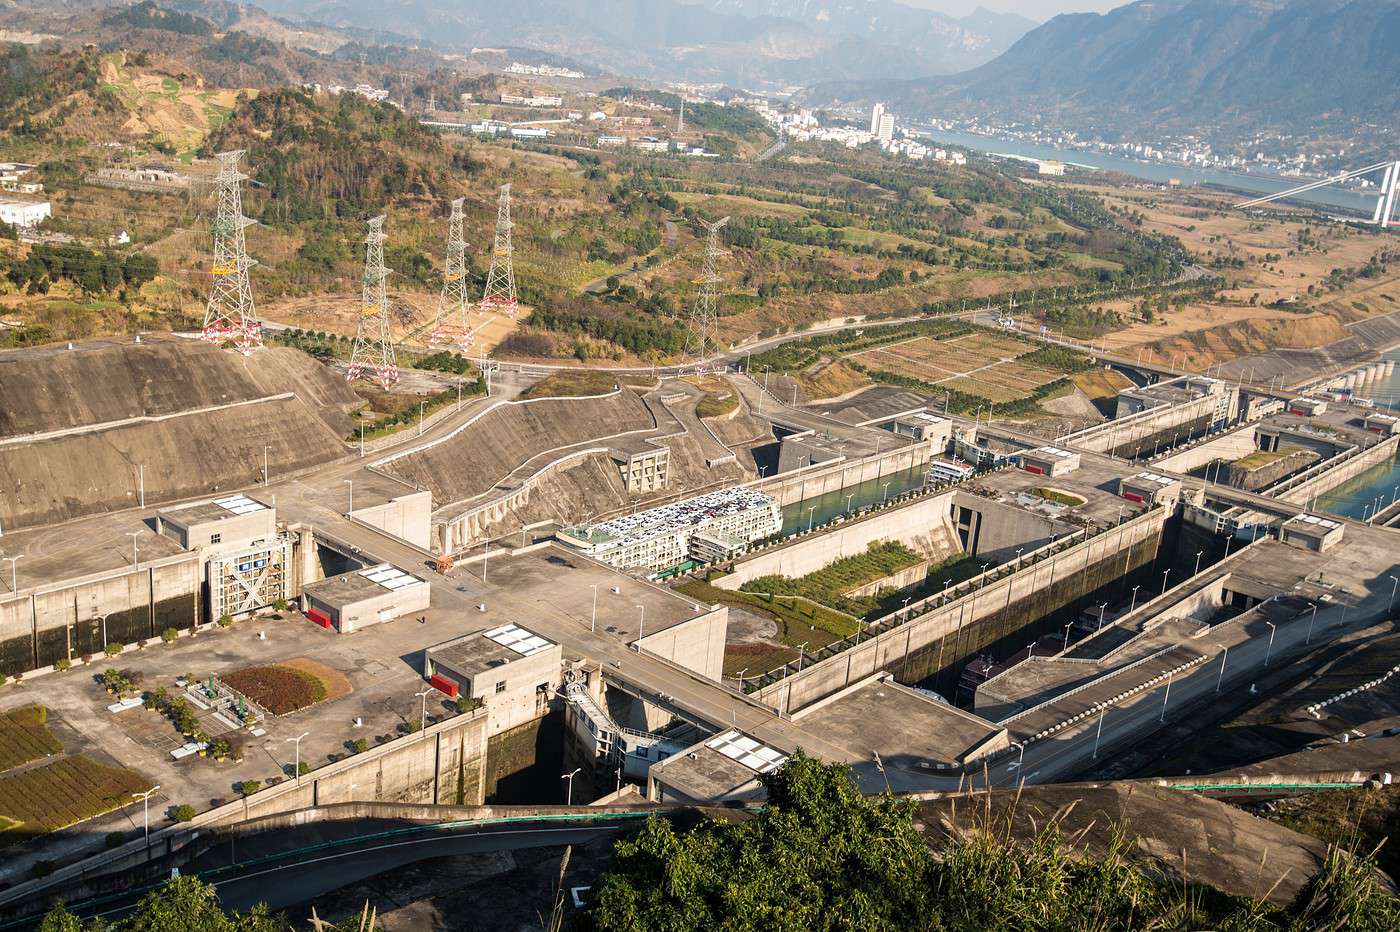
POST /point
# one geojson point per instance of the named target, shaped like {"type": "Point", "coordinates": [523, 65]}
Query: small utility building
{"type": "Point", "coordinates": [513, 671]}
{"type": "Point", "coordinates": [1312, 532]}
{"type": "Point", "coordinates": [365, 597]}
{"type": "Point", "coordinates": [1148, 488]}
{"type": "Point", "coordinates": [1049, 461]}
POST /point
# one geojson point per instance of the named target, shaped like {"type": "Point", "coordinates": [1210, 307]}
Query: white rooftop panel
{"type": "Point", "coordinates": [239, 504]}
{"type": "Point", "coordinates": [518, 639]}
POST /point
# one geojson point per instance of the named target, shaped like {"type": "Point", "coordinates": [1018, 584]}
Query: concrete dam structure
{"type": "Point", "coordinates": [105, 424]}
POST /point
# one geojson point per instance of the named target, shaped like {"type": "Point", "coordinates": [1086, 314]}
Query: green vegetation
{"type": "Point", "coordinates": [25, 736]}
{"type": "Point", "coordinates": [278, 688]}
{"type": "Point", "coordinates": [61, 793]}
{"type": "Point", "coordinates": [1261, 458]}
{"type": "Point", "coordinates": [1365, 818]}
{"type": "Point", "coordinates": [830, 584]}
{"type": "Point", "coordinates": [1058, 358]}
{"type": "Point", "coordinates": [798, 621]}
{"type": "Point", "coordinates": [96, 273]}
{"type": "Point", "coordinates": [572, 383]}
{"type": "Point", "coordinates": [1057, 496]}
{"type": "Point", "coordinates": [820, 856]}
{"type": "Point", "coordinates": [147, 15]}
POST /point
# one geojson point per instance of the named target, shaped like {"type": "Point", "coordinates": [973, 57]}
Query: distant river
{"type": "Point", "coordinates": [1161, 172]}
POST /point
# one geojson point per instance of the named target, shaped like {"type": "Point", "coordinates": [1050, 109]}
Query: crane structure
{"type": "Point", "coordinates": [499, 295]}
{"type": "Point", "coordinates": [1385, 203]}
{"type": "Point", "coordinates": [229, 317]}
{"type": "Point", "coordinates": [373, 355]}
{"type": "Point", "coordinates": [451, 327]}
{"type": "Point", "coordinates": [704, 317]}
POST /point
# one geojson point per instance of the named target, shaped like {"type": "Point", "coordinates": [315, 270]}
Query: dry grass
{"type": "Point", "coordinates": [25, 736]}
{"type": "Point", "coordinates": [62, 793]}
{"type": "Point", "coordinates": [337, 684]}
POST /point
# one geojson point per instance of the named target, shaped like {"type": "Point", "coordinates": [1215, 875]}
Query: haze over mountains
{"type": "Point", "coordinates": [1176, 62]}
{"type": "Point", "coordinates": [737, 41]}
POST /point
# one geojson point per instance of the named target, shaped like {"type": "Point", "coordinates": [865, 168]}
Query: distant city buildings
{"type": "Point", "coordinates": [22, 213]}
{"type": "Point", "coordinates": [536, 101]}
{"type": "Point", "coordinates": [546, 71]}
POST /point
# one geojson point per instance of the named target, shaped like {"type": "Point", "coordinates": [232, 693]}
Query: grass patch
{"type": "Point", "coordinates": [1057, 496]}
{"type": "Point", "coordinates": [279, 688]}
{"type": "Point", "coordinates": [65, 792]}
{"type": "Point", "coordinates": [798, 622]}
{"type": "Point", "coordinates": [1261, 458]}
{"type": "Point", "coordinates": [575, 383]}
{"type": "Point", "coordinates": [717, 405]}
{"type": "Point", "coordinates": [830, 584]}
{"type": "Point", "coordinates": [25, 736]}
{"type": "Point", "coordinates": [1360, 817]}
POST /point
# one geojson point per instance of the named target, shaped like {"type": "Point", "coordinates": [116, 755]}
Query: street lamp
{"type": "Point", "coordinates": [296, 767]}
{"type": "Point", "coordinates": [641, 625]}
{"type": "Point", "coordinates": [885, 486]}
{"type": "Point", "coordinates": [103, 619]}
{"type": "Point", "coordinates": [1165, 696]}
{"type": "Point", "coordinates": [1198, 563]}
{"type": "Point", "coordinates": [146, 809]}
{"type": "Point", "coordinates": [1134, 602]}
{"type": "Point", "coordinates": [1268, 650]}
{"type": "Point", "coordinates": [1102, 608]}
{"type": "Point", "coordinates": [14, 573]}
{"type": "Point", "coordinates": [569, 799]}
{"type": "Point", "coordinates": [849, 496]}
{"type": "Point", "coordinates": [811, 516]}
{"type": "Point", "coordinates": [1165, 573]}
{"type": "Point", "coordinates": [1393, 582]}
{"type": "Point", "coordinates": [593, 624]}
{"type": "Point", "coordinates": [1065, 649]}
{"type": "Point", "coordinates": [1224, 656]}
{"type": "Point", "coordinates": [135, 561]}
{"type": "Point", "coordinates": [265, 449]}
{"type": "Point", "coordinates": [423, 710]}
{"type": "Point", "coordinates": [1311, 621]}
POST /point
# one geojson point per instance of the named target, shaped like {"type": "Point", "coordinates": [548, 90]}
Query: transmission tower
{"type": "Point", "coordinates": [701, 335]}
{"type": "Point", "coordinates": [499, 295]}
{"type": "Point", "coordinates": [450, 328]}
{"type": "Point", "coordinates": [374, 351]}
{"type": "Point", "coordinates": [229, 316]}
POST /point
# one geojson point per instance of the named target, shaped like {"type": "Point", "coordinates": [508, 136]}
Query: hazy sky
{"type": "Point", "coordinates": [1035, 9]}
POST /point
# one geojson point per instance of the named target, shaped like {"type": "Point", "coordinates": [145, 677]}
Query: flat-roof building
{"type": "Point", "coordinates": [1382, 424]}
{"type": "Point", "coordinates": [714, 526]}
{"type": "Point", "coordinates": [22, 213]}
{"type": "Point", "coordinates": [247, 564]}
{"type": "Point", "coordinates": [1307, 407]}
{"type": "Point", "coordinates": [1149, 488]}
{"type": "Point", "coordinates": [1312, 532]}
{"type": "Point", "coordinates": [365, 597]}
{"type": "Point", "coordinates": [1049, 461]}
{"type": "Point", "coordinates": [513, 671]}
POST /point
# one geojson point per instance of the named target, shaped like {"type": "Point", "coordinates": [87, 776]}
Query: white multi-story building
{"type": "Point", "coordinates": [714, 526]}
{"type": "Point", "coordinates": [875, 117]}
{"type": "Point", "coordinates": [885, 131]}
{"type": "Point", "coordinates": [21, 213]}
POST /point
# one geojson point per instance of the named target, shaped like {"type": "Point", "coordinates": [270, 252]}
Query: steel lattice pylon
{"type": "Point", "coordinates": [230, 316]}
{"type": "Point", "coordinates": [701, 335]}
{"type": "Point", "coordinates": [499, 295]}
{"type": "Point", "coordinates": [451, 328]}
{"type": "Point", "coordinates": [373, 355]}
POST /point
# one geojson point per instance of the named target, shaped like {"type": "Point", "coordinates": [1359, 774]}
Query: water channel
{"type": "Point", "coordinates": [823, 508]}
{"type": "Point", "coordinates": [1379, 485]}
{"type": "Point", "coordinates": [1331, 196]}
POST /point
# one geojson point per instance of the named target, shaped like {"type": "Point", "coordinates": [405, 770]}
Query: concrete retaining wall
{"type": "Point", "coordinates": [920, 522]}
{"type": "Point", "coordinates": [42, 625]}
{"type": "Point", "coordinates": [950, 634]}
{"type": "Point", "coordinates": [1230, 446]}
{"type": "Point", "coordinates": [1336, 475]}
{"type": "Point", "coordinates": [908, 576]}
{"type": "Point", "coordinates": [812, 481]}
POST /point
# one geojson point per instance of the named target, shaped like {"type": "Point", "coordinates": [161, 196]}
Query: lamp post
{"type": "Point", "coordinates": [1311, 621]}
{"type": "Point", "coordinates": [1165, 696]}
{"type": "Point", "coordinates": [801, 655]}
{"type": "Point", "coordinates": [14, 572]}
{"type": "Point", "coordinates": [1393, 583]}
{"type": "Point", "coordinates": [1065, 649]}
{"type": "Point", "coordinates": [265, 449]}
{"type": "Point", "coordinates": [1198, 562]}
{"type": "Point", "coordinates": [423, 709]}
{"type": "Point", "coordinates": [1133, 606]}
{"type": "Point", "coordinates": [1224, 656]}
{"type": "Point", "coordinates": [1268, 650]}
{"type": "Point", "coordinates": [811, 516]}
{"type": "Point", "coordinates": [135, 561]}
{"type": "Point", "coordinates": [885, 486]}
{"type": "Point", "coordinates": [146, 809]}
{"type": "Point", "coordinates": [1102, 608]}
{"type": "Point", "coordinates": [350, 505]}
{"type": "Point", "coordinates": [1165, 573]}
{"type": "Point", "coordinates": [141, 484]}
{"type": "Point", "coordinates": [569, 797]}
{"type": "Point", "coordinates": [593, 624]}
{"type": "Point", "coordinates": [1099, 733]}
{"type": "Point", "coordinates": [103, 619]}
{"type": "Point", "coordinates": [641, 625]}
{"type": "Point", "coordinates": [849, 496]}
{"type": "Point", "coordinates": [296, 767]}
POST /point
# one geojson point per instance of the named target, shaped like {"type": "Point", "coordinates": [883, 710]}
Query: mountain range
{"type": "Point", "coordinates": [1175, 63]}
{"type": "Point", "coordinates": [743, 42]}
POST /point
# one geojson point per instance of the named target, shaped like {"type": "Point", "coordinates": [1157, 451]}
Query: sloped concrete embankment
{"type": "Point", "coordinates": [473, 459]}
{"type": "Point", "coordinates": [78, 428]}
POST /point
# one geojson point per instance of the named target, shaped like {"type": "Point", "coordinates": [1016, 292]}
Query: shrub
{"type": "Point", "coordinates": [3, 679]}
{"type": "Point", "coordinates": [111, 650]}
{"type": "Point", "coordinates": [169, 635]}
{"type": "Point", "coordinates": [361, 745]}
{"type": "Point", "coordinates": [225, 620]}
{"type": "Point", "coordinates": [182, 813]}
{"type": "Point", "coordinates": [62, 664]}
{"type": "Point", "coordinates": [278, 689]}
{"type": "Point", "coordinates": [115, 839]}
{"type": "Point", "coordinates": [303, 768]}
{"type": "Point", "coordinates": [249, 787]}
{"type": "Point", "coordinates": [280, 605]}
